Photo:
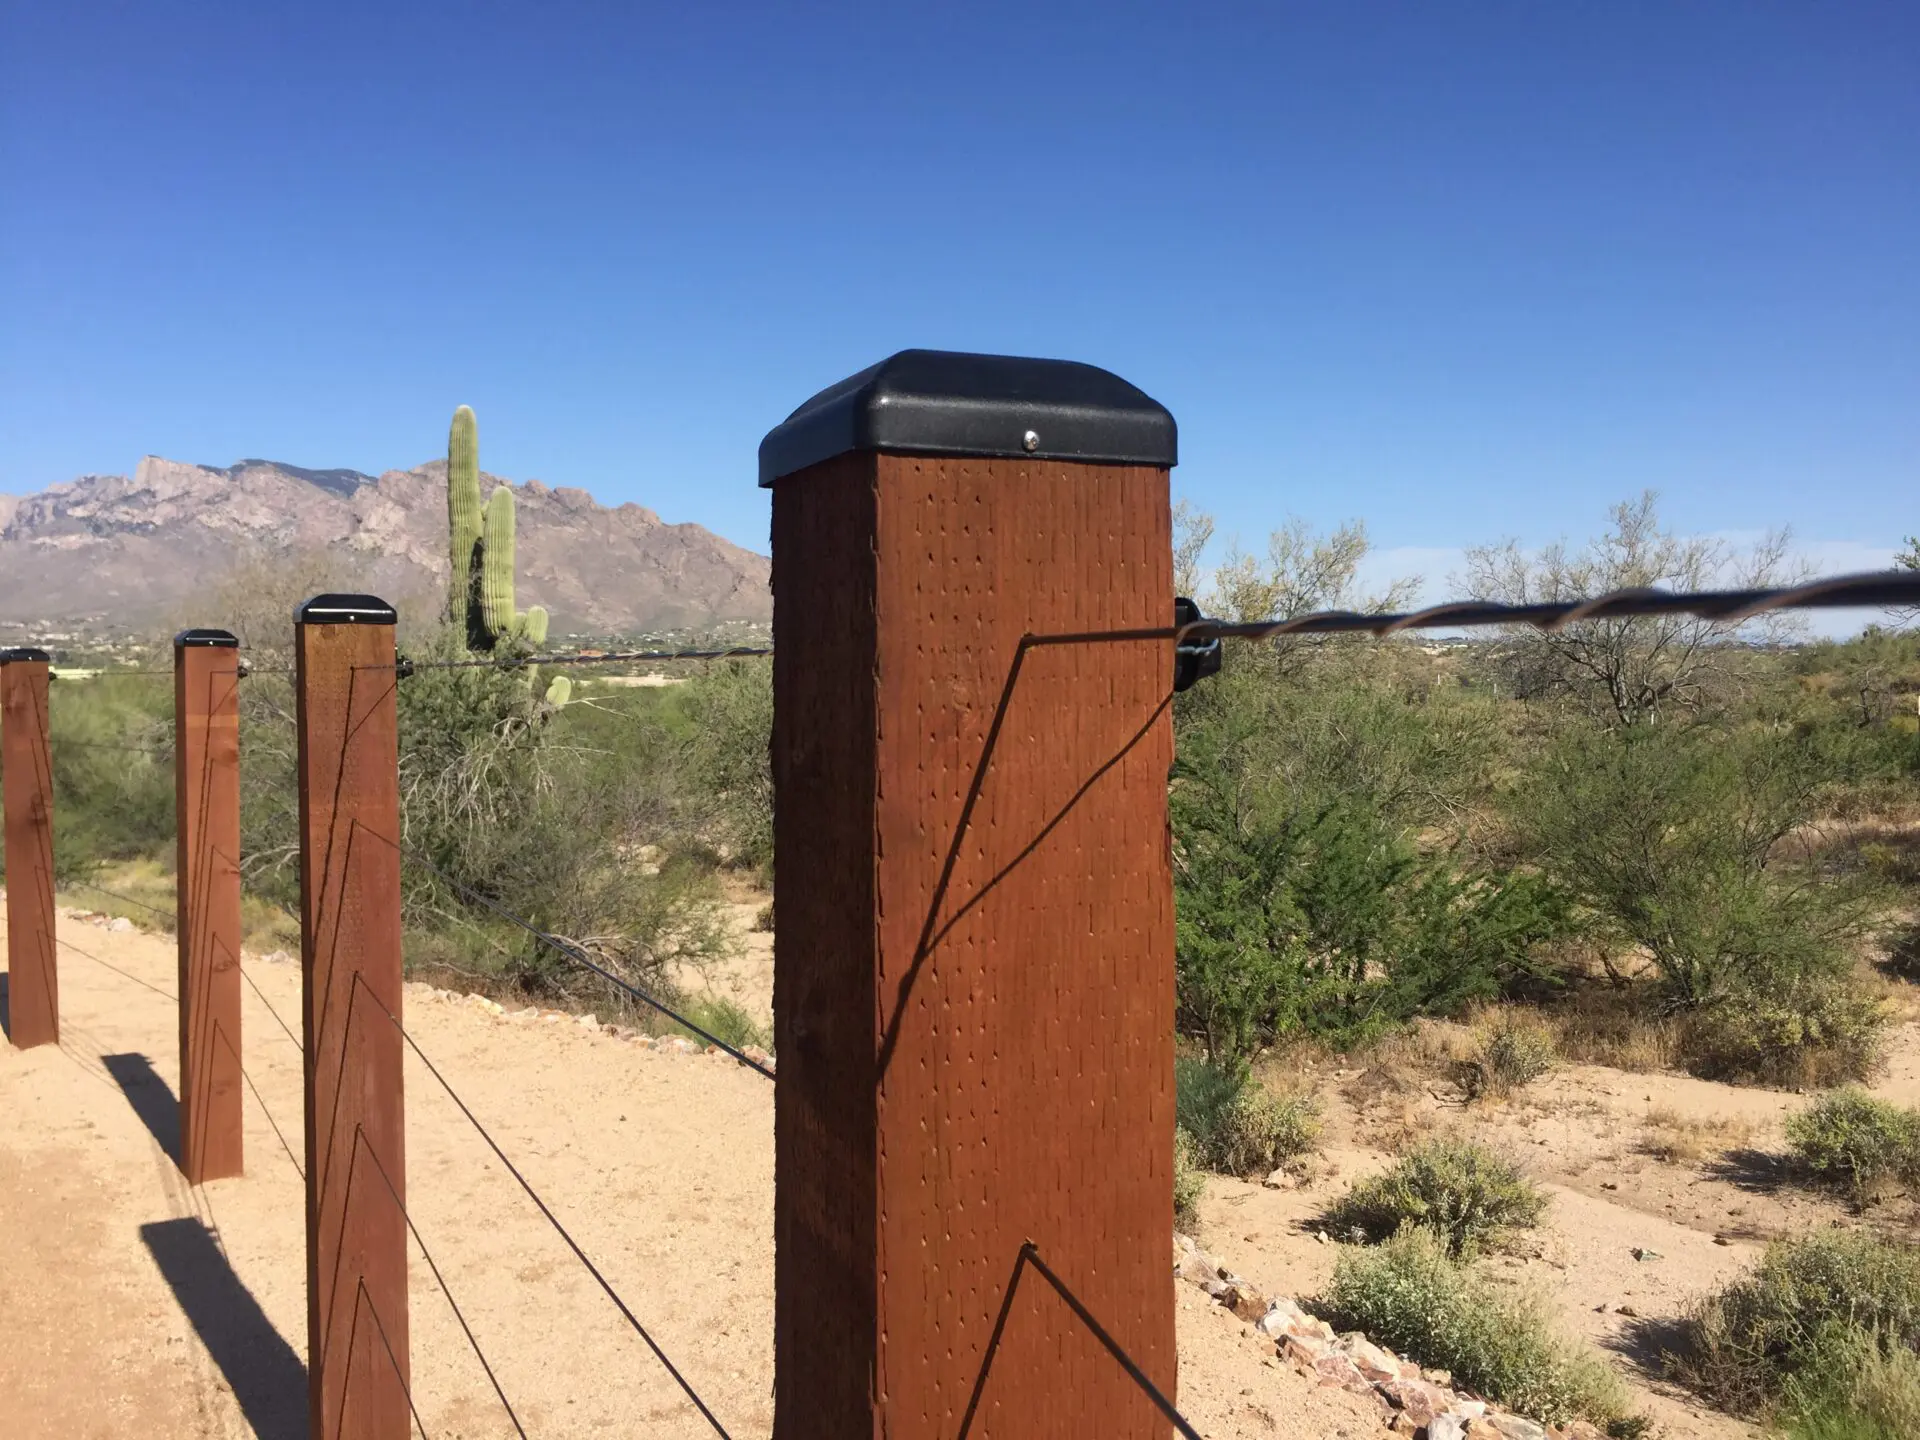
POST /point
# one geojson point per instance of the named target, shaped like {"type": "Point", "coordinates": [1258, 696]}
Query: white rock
{"type": "Point", "coordinates": [1446, 1427]}
{"type": "Point", "coordinates": [119, 922]}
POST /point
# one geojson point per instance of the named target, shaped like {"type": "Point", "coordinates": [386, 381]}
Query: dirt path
{"type": "Point", "coordinates": [137, 1306]}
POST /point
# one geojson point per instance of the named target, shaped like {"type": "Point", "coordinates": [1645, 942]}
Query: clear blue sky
{"type": "Point", "coordinates": [1460, 270]}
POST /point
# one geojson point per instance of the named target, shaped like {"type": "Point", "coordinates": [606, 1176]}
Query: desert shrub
{"type": "Point", "coordinates": [1802, 1031]}
{"type": "Point", "coordinates": [1189, 1182]}
{"type": "Point", "coordinates": [727, 763]}
{"type": "Point", "coordinates": [1858, 1386]}
{"type": "Point", "coordinates": [1462, 1192]}
{"type": "Point", "coordinates": [1411, 1296]}
{"type": "Point", "coordinates": [1318, 916]}
{"type": "Point", "coordinates": [1848, 1138]}
{"type": "Point", "coordinates": [1515, 1054]}
{"type": "Point", "coordinates": [721, 1018]}
{"type": "Point", "coordinates": [111, 742]}
{"type": "Point", "coordinates": [1743, 1346]}
{"type": "Point", "coordinates": [1237, 1126]}
{"type": "Point", "coordinates": [1673, 839]}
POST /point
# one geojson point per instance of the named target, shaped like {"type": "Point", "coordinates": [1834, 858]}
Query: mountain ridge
{"type": "Point", "coordinates": [130, 551]}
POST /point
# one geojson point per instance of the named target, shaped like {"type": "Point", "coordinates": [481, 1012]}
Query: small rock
{"type": "Point", "coordinates": [1401, 1424]}
{"type": "Point", "coordinates": [1642, 1254]}
{"type": "Point", "coordinates": [1442, 1378]}
{"type": "Point", "coordinates": [1321, 1237]}
{"type": "Point", "coordinates": [1419, 1400]}
{"type": "Point", "coordinates": [1282, 1180]}
{"type": "Point", "coordinates": [1721, 1240]}
{"type": "Point", "coordinates": [1609, 1185]}
{"type": "Point", "coordinates": [119, 922]}
{"type": "Point", "coordinates": [1626, 1310]}
{"type": "Point", "coordinates": [1370, 1359]}
{"type": "Point", "coordinates": [1245, 1301]}
{"type": "Point", "coordinates": [1514, 1427]}
{"type": "Point", "coordinates": [1446, 1427]}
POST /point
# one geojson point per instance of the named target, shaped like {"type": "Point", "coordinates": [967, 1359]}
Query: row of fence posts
{"type": "Point", "coordinates": [973, 980]}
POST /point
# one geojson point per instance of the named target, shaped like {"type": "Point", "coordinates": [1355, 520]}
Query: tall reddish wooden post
{"type": "Point", "coordinates": [975, 1024]}
{"type": "Point", "coordinates": [206, 761]}
{"type": "Point", "coordinates": [357, 1365]}
{"type": "Point", "coordinates": [33, 976]}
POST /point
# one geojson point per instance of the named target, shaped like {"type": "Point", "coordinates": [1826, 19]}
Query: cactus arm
{"type": "Point", "coordinates": [463, 511]}
{"type": "Point", "coordinates": [496, 579]}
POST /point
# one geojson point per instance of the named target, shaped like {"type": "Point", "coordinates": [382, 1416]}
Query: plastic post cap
{"type": "Point", "coordinates": [943, 402]}
{"type": "Point", "coordinates": [345, 610]}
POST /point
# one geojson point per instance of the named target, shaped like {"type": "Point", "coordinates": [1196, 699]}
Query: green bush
{"type": "Point", "coordinates": [721, 1018]}
{"type": "Point", "coordinates": [1462, 1192]}
{"type": "Point", "coordinates": [1189, 1182]}
{"type": "Point", "coordinates": [1236, 1126]}
{"type": "Point", "coordinates": [1849, 1138]}
{"type": "Point", "coordinates": [1411, 1296]}
{"type": "Point", "coordinates": [1515, 1055]}
{"type": "Point", "coordinates": [1858, 1386]}
{"type": "Point", "coordinates": [1744, 1346]}
{"type": "Point", "coordinates": [1800, 1031]}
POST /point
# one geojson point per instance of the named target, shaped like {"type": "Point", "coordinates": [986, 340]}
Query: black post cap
{"type": "Point", "coordinates": [345, 610]}
{"type": "Point", "coordinates": [942, 402]}
{"type": "Point", "coordinates": [206, 639]}
{"type": "Point", "coordinates": [24, 652]}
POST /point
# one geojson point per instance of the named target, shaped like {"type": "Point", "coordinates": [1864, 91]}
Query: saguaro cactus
{"type": "Point", "coordinates": [480, 588]}
{"type": "Point", "coordinates": [463, 514]}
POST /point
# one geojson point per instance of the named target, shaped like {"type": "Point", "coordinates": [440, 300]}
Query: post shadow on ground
{"type": "Point", "coordinates": [268, 1379]}
{"type": "Point", "coordinates": [151, 1098]}
{"type": "Point", "coordinates": [6, 1011]}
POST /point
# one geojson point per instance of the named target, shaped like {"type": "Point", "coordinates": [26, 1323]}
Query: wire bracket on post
{"type": "Point", "coordinates": [1193, 660]}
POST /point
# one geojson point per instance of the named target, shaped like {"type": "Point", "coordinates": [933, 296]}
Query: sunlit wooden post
{"type": "Point", "coordinates": [33, 974]}
{"type": "Point", "coordinates": [973, 991]}
{"type": "Point", "coordinates": [206, 761]}
{"type": "Point", "coordinates": [357, 1364]}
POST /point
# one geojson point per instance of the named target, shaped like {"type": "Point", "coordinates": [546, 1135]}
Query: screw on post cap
{"type": "Point", "coordinates": [345, 610]}
{"type": "Point", "coordinates": [206, 639]}
{"type": "Point", "coordinates": [24, 653]}
{"type": "Point", "coordinates": [942, 402]}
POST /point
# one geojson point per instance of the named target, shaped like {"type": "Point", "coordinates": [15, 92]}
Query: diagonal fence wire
{"type": "Point", "coordinates": [573, 953]}
{"type": "Point", "coordinates": [592, 1269]}
{"type": "Point", "coordinates": [1030, 1256]}
{"type": "Point", "coordinates": [360, 1138]}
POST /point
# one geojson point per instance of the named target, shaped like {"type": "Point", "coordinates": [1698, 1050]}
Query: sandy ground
{"type": "Point", "coordinates": [135, 1305]}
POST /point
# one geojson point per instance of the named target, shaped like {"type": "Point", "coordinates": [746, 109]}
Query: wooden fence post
{"type": "Point", "coordinates": [33, 973]}
{"type": "Point", "coordinates": [357, 1361]}
{"type": "Point", "coordinates": [973, 986]}
{"type": "Point", "coordinates": [206, 761]}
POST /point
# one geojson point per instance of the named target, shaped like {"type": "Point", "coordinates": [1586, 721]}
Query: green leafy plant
{"type": "Point", "coordinates": [1237, 1126]}
{"type": "Point", "coordinates": [1462, 1192]}
{"type": "Point", "coordinates": [1775, 1330]}
{"type": "Point", "coordinates": [1189, 1182]}
{"type": "Point", "coordinates": [1412, 1296]}
{"type": "Point", "coordinates": [1849, 1138]}
{"type": "Point", "coordinates": [1515, 1054]}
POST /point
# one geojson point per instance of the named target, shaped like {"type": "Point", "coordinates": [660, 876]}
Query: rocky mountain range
{"type": "Point", "coordinates": [129, 553]}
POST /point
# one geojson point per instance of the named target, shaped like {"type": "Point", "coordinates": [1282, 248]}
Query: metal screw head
{"type": "Point", "coordinates": [1031, 440]}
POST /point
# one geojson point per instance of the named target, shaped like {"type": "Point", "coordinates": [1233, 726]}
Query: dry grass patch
{"type": "Point", "coordinates": [1680, 1139]}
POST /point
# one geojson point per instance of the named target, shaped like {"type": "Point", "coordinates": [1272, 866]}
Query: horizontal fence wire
{"type": "Point", "coordinates": [93, 889]}
{"type": "Point", "coordinates": [156, 751]}
{"type": "Point", "coordinates": [1030, 1256]}
{"type": "Point", "coordinates": [590, 657]}
{"type": "Point", "coordinates": [592, 1269]}
{"type": "Point", "coordinates": [1889, 589]}
{"type": "Point", "coordinates": [575, 954]}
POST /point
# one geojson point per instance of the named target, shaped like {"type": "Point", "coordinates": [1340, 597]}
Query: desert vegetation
{"type": "Point", "coordinates": [1650, 844]}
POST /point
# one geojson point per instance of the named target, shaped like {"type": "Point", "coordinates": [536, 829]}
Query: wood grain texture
{"type": "Point", "coordinates": [206, 727]}
{"type": "Point", "coordinates": [1019, 972]}
{"type": "Point", "coordinates": [33, 972]}
{"type": "Point", "coordinates": [358, 1373]}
